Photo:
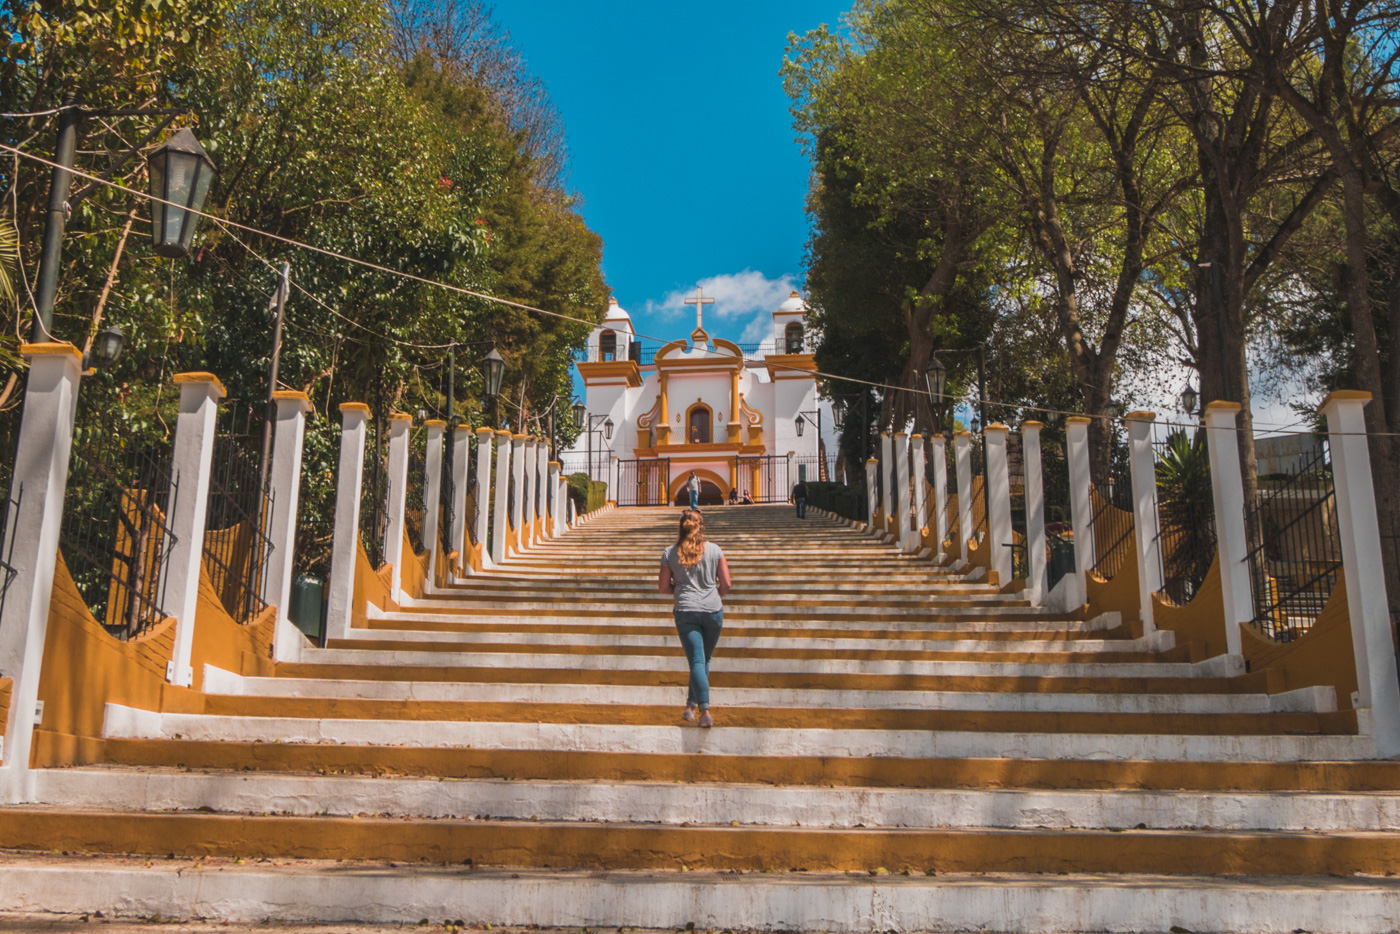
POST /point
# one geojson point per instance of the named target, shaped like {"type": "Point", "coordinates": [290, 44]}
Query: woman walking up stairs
{"type": "Point", "coordinates": [696, 573]}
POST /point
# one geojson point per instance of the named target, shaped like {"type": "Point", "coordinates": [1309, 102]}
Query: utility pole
{"type": "Point", "coordinates": [57, 218]}
{"type": "Point", "coordinates": [284, 283]}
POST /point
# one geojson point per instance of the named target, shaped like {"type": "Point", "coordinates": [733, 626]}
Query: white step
{"type": "Point", "coordinates": [715, 804]}
{"type": "Point", "coordinates": [1159, 641]}
{"type": "Point", "coordinates": [122, 722]}
{"type": "Point", "coordinates": [1305, 700]}
{"type": "Point", "coordinates": [327, 892]}
{"type": "Point", "coordinates": [675, 661]}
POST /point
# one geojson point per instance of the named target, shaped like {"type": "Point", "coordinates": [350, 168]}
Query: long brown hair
{"type": "Point", "coordinates": [690, 544]}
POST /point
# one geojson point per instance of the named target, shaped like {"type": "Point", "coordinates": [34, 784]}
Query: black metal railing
{"type": "Point", "coordinates": [1295, 551]}
{"type": "Point", "coordinates": [417, 479]}
{"type": "Point", "coordinates": [373, 517]}
{"type": "Point", "coordinates": [10, 503]}
{"type": "Point", "coordinates": [115, 530]}
{"type": "Point", "coordinates": [236, 545]}
{"type": "Point", "coordinates": [1112, 520]}
{"type": "Point", "coordinates": [979, 481]}
{"type": "Point", "coordinates": [1186, 542]}
{"type": "Point", "coordinates": [1016, 486]}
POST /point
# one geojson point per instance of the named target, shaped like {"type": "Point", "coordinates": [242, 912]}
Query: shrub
{"type": "Point", "coordinates": [847, 501]}
{"type": "Point", "coordinates": [587, 496]}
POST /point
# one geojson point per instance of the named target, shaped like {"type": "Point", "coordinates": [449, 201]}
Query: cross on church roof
{"type": "Point", "coordinates": [699, 301]}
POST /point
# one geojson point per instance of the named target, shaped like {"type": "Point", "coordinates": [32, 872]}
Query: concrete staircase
{"type": "Point", "coordinates": [896, 747]}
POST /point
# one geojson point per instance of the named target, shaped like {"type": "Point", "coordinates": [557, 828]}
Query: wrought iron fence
{"type": "Point", "coordinates": [979, 486]}
{"type": "Point", "coordinates": [115, 530]}
{"type": "Point", "coordinates": [236, 544]}
{"type": "Point", "coordinates": [764, 479]}
{"type": "Point", "coordinates": [417, 478]}
{"type": "Point", "coordinates": [372, 513]}
{"type": "Point", "coordinates": [1186, 542]}
{"type": "Point", "coordinates": [1295, 553]}
{"type": "Point", "coordinates": [9, 504]}
{"type": "Point", "coordinates": [1054, 485]}
{"type": "Point", "coordinates": [812, 468]}
{"type": "Point", "coordinates": [1016, 486]}
{"type": "Point", "coordinates": [1112, 520]}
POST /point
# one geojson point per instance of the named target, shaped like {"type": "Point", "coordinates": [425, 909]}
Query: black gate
{"type": "Point", "coordinates": [644, 482]}
{"type": "Point", "coordinates": [766, 479]}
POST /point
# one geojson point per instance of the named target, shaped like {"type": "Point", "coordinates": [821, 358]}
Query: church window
{"type": "Point", "coordinates": [607, 346]}
{"type": "Point", "coordinates": [699, 425]}
{"type": "Point", "coordinates": [793, 337]}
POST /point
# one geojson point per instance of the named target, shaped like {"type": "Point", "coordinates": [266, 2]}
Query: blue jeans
{"type": "Point", "coordinates": [801, 507]}
{"type": "Point", "coordinates": [694, 499]}
{"type": "Point", "coordinates": [699, 633]}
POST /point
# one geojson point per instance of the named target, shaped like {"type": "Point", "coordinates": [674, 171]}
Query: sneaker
{"type": "Point", "coordinates": [706, 721]}
{"type": "Point", "coordinates": [689, 715]}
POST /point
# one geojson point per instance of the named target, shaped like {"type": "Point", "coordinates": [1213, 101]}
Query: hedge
{"type": "Point", "coordinates": [587, 497]}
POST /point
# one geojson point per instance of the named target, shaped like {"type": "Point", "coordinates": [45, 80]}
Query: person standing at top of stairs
{"type": "Point", "coordinates": [696, 573]}
{"type": "Point", "coordinates": [693, 485]}
{"type": "Point", "coordinates": [799, 497]}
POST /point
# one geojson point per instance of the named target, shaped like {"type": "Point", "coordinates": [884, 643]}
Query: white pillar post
{"type": "Point", "coordinates": [1035, 510]}
{"type": "Point", "coordinates": [902, 508]}
{"type": "Point", "coordinates": [940, 494]}
{"type": "Point", "coordinates": [517, 466]}
{"type": "Point", "coordinates": [527, 496]}
{"type": "Point", "coordinates": [461, 454]}
{"type": "Point", "coordinates": [36, 490]}
{"type": "Point", "coordinates": [190, 467]}
{"type": "Point", "coordinates": [1142, 462]}
{"type": "Point", "coordinates": [886, 483]}
{"type": "Point", "coordinates": [552, 495]}
{"type": "Point", "coordinates": [284, 487]}
{"type": "Point", "coordinates": [962, 465]}
{"type": "Point", "coordinates": [1081, 507]}
{"type": "Point", "coordinates": [998, 480]}
{"type": "Point", "coordinates": [872, 496]}
{"type": "Point", "coordinates": [1227, 490]}
{"type": "Point", "coordinates": [396, 500]}
{"type": "Point", "coordinates": [346, 537]}
{"type": "Point", "coordinates": [501, 507]}
{"type": "Point", "coordinates": [1377, 699]}
{"type": "Point", "coordinates": [483, 492]}
{"type": "Point", "coordinates": [562, 506]}
{"type": "Point", "coordinates": [541, 482]}
{"type": "Point", "coordinates": [432, 492]}
{"type": "Point", "coordinates": [918, 471]}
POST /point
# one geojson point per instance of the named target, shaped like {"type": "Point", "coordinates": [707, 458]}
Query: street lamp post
{"type": "Point", "coordinates": [801, 424]}
{"type": "Point", "coordinates": [181, 172]}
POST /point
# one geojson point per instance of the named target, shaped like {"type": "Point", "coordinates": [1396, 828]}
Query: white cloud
{"type": "Point", "coordinates": [737, 295]}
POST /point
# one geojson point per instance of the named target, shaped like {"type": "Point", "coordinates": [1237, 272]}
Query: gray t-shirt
{"type": "Point", "coordinates": [697, 588]}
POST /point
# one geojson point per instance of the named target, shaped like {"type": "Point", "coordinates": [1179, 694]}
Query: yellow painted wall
{"type": "Point", "coordinates": [1120, 593]}
{"type": "Point", "coordinates": [84, 668]}
{"type": "Point", "coordinates": [1321, 656]}
{"type": "Point", "coordinates": [1200, 624]}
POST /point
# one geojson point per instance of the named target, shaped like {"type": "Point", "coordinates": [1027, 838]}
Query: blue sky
{"type": "Point", "coordinates": [682, 147]}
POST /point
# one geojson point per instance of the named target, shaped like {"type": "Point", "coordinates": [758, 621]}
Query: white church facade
{"type": "Point", "coordinates": [743, 419]}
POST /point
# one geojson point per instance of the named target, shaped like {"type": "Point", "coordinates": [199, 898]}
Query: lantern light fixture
{"type": "Point", "coordinates": [181, 173]}
{"type": "Point", "coordinates": [936, 378]}
{"type": "Point", "coordinates": [106, 348]}
{"type": "Point", "coordinates": [493, 368]}
{"type": "Point", "coordinates": [580, 413]}
{"type": "Point", "coordinates": [1113, 409]}
{"type": "Point", "coordinates": [607, 430]}
{"type": "Point", "coordinates": [800, 423]}
{"type": "Point", "coordinates": [1189, 399]}
{"type": "Point", "coordinates": [838, 414]}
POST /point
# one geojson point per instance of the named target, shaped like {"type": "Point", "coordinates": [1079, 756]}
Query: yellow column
{"type": "Point", "coordinates": [663, 424]}
{"type": "Point", "coordinates": [734, 423]}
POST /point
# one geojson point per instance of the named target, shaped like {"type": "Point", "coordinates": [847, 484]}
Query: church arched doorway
{"type": "Point", "coordinates": [710, 494]}
{"type": "Point", "coordinates": [698, 424]}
